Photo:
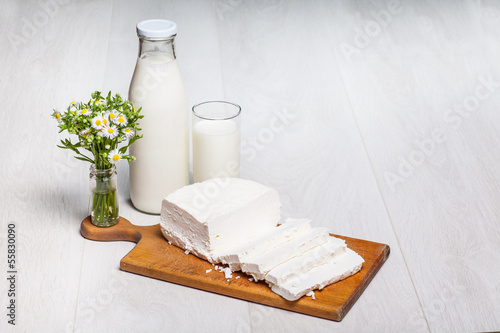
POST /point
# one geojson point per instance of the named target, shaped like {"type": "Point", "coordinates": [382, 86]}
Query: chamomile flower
{"type": "Point", "coordinates": [98, 122]}
{"type": "Point", "coordinates": [85, 132]}
{"type": "Point", "coordinates": [110, 132]}
{"type": "Point", "coordinates": [101, 125]}
{"type": "Point", "coordinates": [112, 115]}
{"type": "Point", "coordinates": [121, 120]}
{"type": "Point", "coordinates": [96, 105]}
{"type": "Point", "coordinates": [85, 112]}
{"type": "Point", "coordinates": [105, 119]}
{"type": "Point", "coordinates": [114, 156]}
{"type": "Point", "coordinates": [57, 115]}
{"type": "Point", "coordinates": [129, 132]}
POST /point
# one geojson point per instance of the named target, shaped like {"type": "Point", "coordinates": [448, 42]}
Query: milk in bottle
{"type": "Point", "coordinates": [162, 155]}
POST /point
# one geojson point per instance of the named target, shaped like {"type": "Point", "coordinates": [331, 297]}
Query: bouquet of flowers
{"type": "Point", "coordinates": [105, 127]}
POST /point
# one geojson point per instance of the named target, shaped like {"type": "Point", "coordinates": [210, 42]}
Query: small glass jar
{"type": "Point", "coordinates": [103, 203]}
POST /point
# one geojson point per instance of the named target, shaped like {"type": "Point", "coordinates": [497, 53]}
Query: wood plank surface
{"type": "Point", "coordinates": [366, 84]}
{"type": "Point", "coordinates": [154, 257]}
{"type": "Point", "coordinates": [427, 111]}
{"type": "Point", "coordinates": [41, 70]}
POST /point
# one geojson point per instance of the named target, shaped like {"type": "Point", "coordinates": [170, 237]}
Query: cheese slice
{"type": "Point", "coordinates": [338, 269]}
{"type": "Point", "coordinates": [260, 265]}
{"type": "Point", "coordinates": [218, 215]}
{"type": "Point", "coordinates": [235, 221]}
{"type": "Point", "coordinates": [299, 265]}
{"type": "Point", "coordinates": [292, 228]}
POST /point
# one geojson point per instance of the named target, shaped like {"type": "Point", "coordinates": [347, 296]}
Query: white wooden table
{"type": "Point", "coordinates": [390, 130]}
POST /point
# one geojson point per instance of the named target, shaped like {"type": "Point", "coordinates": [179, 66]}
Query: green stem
{"type": "Point", "coordinates": [104, 202]}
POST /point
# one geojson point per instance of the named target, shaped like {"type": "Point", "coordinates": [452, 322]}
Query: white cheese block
{"type": "Point", "coordinates": [260, 265]}
{"type": "Point", "coordinates": [338, 269]}
{"type": "Point", "coordinates": [315, 257]}
{"type": "Point", "coordinates": [217, 215]}
{"type": "Point", "coordinates": [292, 228]}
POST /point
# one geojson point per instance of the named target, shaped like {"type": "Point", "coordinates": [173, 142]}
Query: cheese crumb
{"type": "Point", "coordinates": [216, 267]}
{"type": "Point", "coordinates": [237, 277]}
{"type": "Point", "coordinates": [186, 252]}
{"type": "Point", "coordinates": [169, 242]}
{"type": "Point", "coordinates": [250, 279]}
{"type": "Point", "coordinates": [208, 271]}
{"type": "Point", "coordinates": [311, 294]}
{"type": "Point", "coordinates": [228, 273]}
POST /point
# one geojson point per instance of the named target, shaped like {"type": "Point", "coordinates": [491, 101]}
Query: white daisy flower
{"type": "Point", "coordinates": [110, 132]}
{"type": "Point", "coordinates": [129, 132]}
{"type": "Point", "coordinates": [85, 112]}
{"type": "Point", "coordinates": [57, 115]}
{"type": "Point", "coordinates": [112, 115]}
{"type": "Point", "coordinates": [84, 132]}
{"type": "Point", "coordinates": [98, 122]}
{"type": "Point", "coordinates": [105, 120]}
{"type": "Point", "coordinates": [114, 156]}
{"type": "Point", "coordinates": [121, 120]}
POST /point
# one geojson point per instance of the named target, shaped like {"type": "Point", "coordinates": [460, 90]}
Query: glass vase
{"type": "Point", "coordinates": [103, 204]}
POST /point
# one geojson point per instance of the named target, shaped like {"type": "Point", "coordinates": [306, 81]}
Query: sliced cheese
{"type": "Point", "coordinates": [292, 228]}
{"type": "Point", "coordinates": [235, 221]}
{"type": "Point", "coordinates": [299, 265]}
{"type": "Point", "coordinates": [338, 269]}
{"type": "Point", "coordinates": [260, 265]}
{"type": "Point", "coordinates": [218, 215]}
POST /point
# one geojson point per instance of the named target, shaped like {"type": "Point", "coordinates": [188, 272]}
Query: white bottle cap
{"type": "Point", "coordinates": [156, 28]}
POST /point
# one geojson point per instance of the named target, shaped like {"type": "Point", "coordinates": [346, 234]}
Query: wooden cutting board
{"type": "Point", "coordinates": [154, 257]}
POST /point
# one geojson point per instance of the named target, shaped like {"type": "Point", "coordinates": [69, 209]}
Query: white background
{"type": "Point", "coordinates": [390, 130]}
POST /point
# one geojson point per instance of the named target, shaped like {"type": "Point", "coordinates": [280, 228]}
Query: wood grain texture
{"type": "Point", "coordinates": [421, 121]}
{"type": "Point", "coordinates": [154, 257]}
{"type": "Point", "coordinates": [357, 118]}
{"type": "Point", "coordinates": [40, 71]}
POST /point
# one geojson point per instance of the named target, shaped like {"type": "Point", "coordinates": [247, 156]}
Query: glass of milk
{"type": "Point", "coordinates": [216, 140]}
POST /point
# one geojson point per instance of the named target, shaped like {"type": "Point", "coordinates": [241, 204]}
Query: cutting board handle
{"type": "Point", "coordinates": [122, 231]}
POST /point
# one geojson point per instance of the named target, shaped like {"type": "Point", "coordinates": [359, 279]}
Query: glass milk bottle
{"type": "Point", "coordinates": [162, 155]}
